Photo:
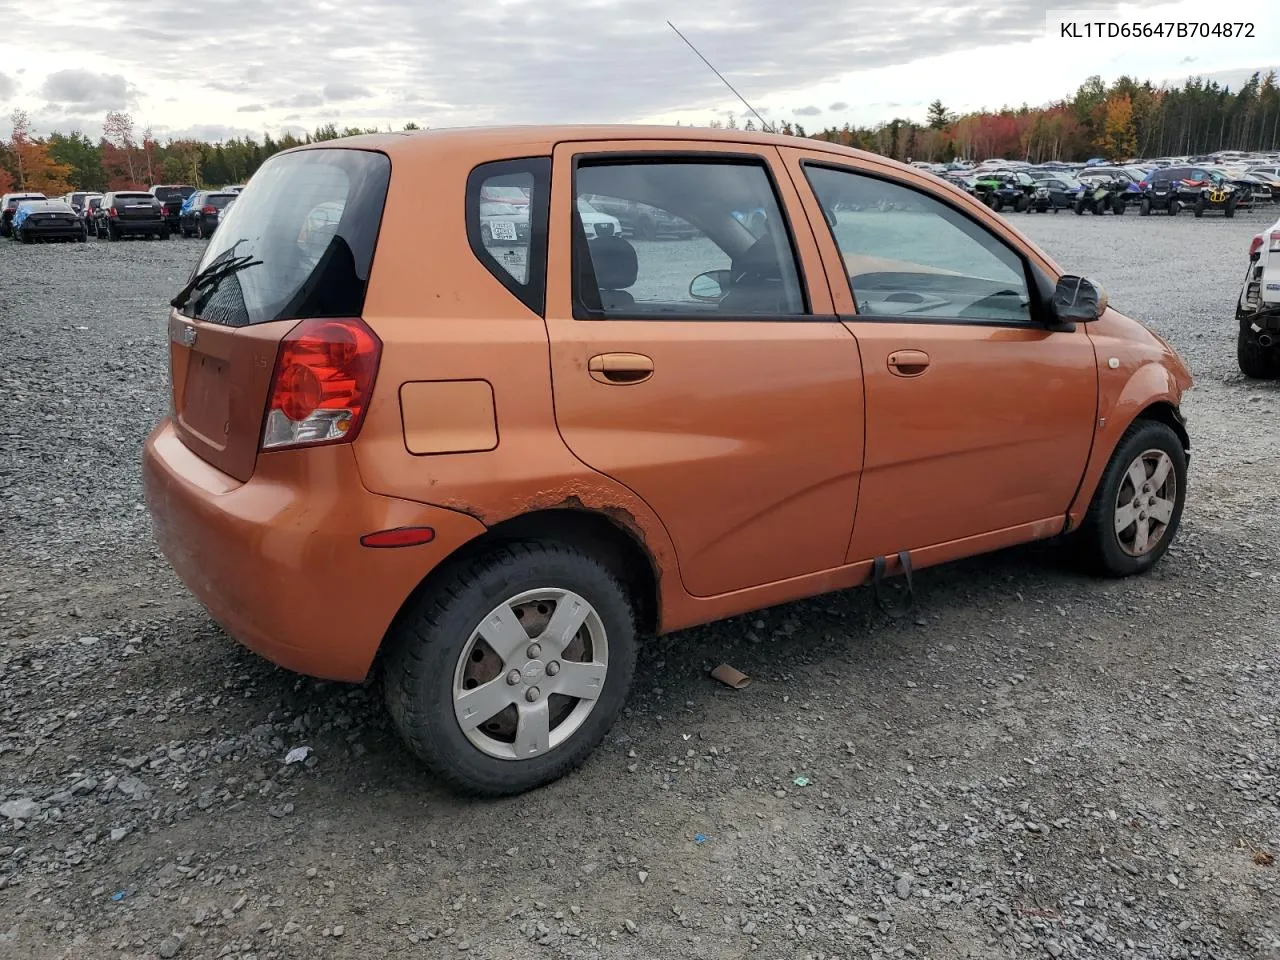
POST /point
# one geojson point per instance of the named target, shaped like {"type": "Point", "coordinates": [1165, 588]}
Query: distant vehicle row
{"type": "Point", "coordinates": [159, 212]}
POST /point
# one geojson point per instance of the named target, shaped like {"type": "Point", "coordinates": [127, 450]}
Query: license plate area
{"type": "Point", "coordinates": [206, 399]}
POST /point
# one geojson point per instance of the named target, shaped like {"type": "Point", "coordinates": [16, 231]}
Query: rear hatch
{"type": "Point", "coordinates": [136, 206]}
{"type": "Point", "coordinates": [304, 232]}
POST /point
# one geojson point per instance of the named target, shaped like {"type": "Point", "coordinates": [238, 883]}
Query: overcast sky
{"type": "Point", "coordinates": [245, 66]}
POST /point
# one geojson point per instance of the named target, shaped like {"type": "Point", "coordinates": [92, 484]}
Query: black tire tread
{"type": "Point", "coordinates": [412, 635]}
{"type": "Point", "coordinates": [1098, 519]}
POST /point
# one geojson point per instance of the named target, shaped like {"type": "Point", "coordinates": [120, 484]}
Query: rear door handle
{"type": "Point", "coordinates": [620, 368]}
{"type": "Point", "coordinates": [908, 363]}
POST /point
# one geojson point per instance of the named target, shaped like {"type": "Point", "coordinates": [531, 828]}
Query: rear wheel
{"type": "Point", "coordinates": [200, 231]}
{"type": "Point", "coordinates": [1229, 210]}
{"type": "Point", "coordinates": [1199, 207]}
{"type": "Point", "coordinates": [1136, 509]}
{"type": "Point", "coordinates": [1174, 207]}
{"type": "Point", "coordinates": [24, 236]}
{"type": "Point", "coordinates": [1256, 361]}
{"type": "Point", "coordinates": [1144, 208]}
{"type": "Point", "coordinates": [510, 671]}
{"type": "Point", "coordinates": [83, 236]}
{"type": "Point", "coordinates": [1079, 208]}
{"type": "Point", "coordinates": [1117, 206]}
{"type": "Point", "coordinates": [1020, 205]}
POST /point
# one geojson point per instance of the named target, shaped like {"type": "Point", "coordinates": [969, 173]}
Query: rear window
{"type": "Point", "coordinates": [134, 196]}
{"type": "Point", "coordinates": [219, 200]}
{"type": "Point", "coordinates": [173, 193]}
{"type": "Point", "coordinates": [311, 218]}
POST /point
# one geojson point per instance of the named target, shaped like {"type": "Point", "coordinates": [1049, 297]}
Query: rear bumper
{"type": "Point", "coordinates": [138, 226]}
{"type": "Point", "coordinates": [63, 229]}
{"type": "Point", "coordinates": [277, 560]}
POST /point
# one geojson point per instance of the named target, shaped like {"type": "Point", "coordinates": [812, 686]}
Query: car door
{"type": "Point", "coordinates": [732, 405]}
{"type": "Point", "coordinates": [980, 418]}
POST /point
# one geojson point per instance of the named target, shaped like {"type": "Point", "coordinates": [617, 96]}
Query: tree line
{"type": "Point", "coordinates": [1124, 119]}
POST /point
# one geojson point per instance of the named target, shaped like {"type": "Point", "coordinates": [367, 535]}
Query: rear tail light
{"type": "Point", "coordinates": [210, 209]}
{"type": "Point", "coordinates": [322, 383]}
{"type": "Point", "coordinates": [112, 212]}
{"type": "Point", "coordinates": [1143, 185]}
{"type": "Point", "coordinates": [1254, 246]}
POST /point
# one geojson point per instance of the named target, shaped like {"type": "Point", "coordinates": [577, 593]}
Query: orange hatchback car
{"type": "Point", "coordinates": [479, 407]}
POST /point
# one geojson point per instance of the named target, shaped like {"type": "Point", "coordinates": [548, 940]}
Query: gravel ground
{"type": "Point", "coordinates": [1039, 765]}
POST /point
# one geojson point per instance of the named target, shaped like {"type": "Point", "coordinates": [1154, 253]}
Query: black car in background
{"type": "Point", "coordinates": [172, 196]}
{"type": "Point", "coordinates": [125, 213]}
{"type": "Point", "coordinates": [641, 220]}
{"type": "Point", "coordinates": [48, 220]}
{"type": "Point", "coordinates": [1159, 193]}
{"type": "Point", "coordinates": [9, 205]}
{"type": "Point", "coordinates": [1002, 189]}
{"type": "Point", "coordinates": [199, 216]}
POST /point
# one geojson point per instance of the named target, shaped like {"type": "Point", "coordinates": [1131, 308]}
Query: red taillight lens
{"type": "Point", "coordinates": [1143, 185]}
{"type": "Point", "coordinates": [322, 383]}
{"type": "Point", "coordinates": [210, 209]}
{"type": "Point", "coordinates": [1254, 246]}
{"type": "Point", "coordinates": [112, 212]}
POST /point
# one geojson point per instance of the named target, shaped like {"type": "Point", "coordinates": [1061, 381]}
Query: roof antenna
{"type": "Point", "coordinates": [763, 124]}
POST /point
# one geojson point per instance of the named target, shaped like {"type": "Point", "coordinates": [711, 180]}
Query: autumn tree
{"type": "Point", "coordinates": [1118, 141]}
{"type": "Point", "coordinates": [117, 130]}
{"type": "Point", "coordinates": [37, 170]}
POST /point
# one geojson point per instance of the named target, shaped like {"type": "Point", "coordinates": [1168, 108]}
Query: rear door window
{"type": "Point", "coordinates": [507, 205]}
{"type": "Point", "coordinates": [298, 242]}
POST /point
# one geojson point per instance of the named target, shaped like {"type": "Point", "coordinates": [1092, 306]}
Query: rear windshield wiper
{"type": "Point", "coordinates": [221, 266]}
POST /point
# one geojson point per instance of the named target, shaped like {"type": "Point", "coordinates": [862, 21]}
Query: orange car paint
{"type": "Point", "coordinates": [994, 442]}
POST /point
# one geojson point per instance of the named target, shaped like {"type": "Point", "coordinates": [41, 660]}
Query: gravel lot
{"type": "Point", "coordinates": [1039, 765]}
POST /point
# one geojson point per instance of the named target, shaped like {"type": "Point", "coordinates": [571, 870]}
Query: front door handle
{"type": "Point", "coordinates": [908, 363]}
{"type": "Point", "coordinates": [620, 368]}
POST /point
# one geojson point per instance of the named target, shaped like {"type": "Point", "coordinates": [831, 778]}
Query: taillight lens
{"type": "Point", "coordinates": [210, 209]}
{"type": "Point", "coordinates": [1254, 246]}
{"type": "Point", "coordinates": [112, 212]}
{"type": "Point", "coordinates": [322, 382]}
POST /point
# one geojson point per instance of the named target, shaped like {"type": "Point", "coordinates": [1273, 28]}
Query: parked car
{"type": "Point", "coordinates": [1159, 192]}
{"type": "Point", "coordinates": [172, 196]}
{"type": "Point", "coordinates": [125, 213]}
{"type": "Point", "coordinates": [91, 203]}
{"type": "Point", "coordinates": [47, 220]}
{"type": "Point", "coordinates": [643, 221]}
{"type": "Point", "coordinates": [595, 223]}
{"type": "Point", "coordinates": [1250, 190]}
{"type": "Point", "coordinates": [199, 214]}
{"type": "Point", "coordinates": [9, 206]}
{"type": "Point", "coordinates": [503, 475]}
{"type": "Point", "coordinates": [1101, 194]}
{"type": "Point", "coordinates": [233, 188]}
{"type": "Point", "coordinates": [1258, 309]}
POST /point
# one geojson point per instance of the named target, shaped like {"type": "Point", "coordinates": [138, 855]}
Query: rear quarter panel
{"type": "Point", "coordinates": [444, 318]}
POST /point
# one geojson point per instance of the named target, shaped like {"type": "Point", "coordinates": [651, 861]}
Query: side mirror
{"type": "Point", "coordinates": [1077, 299]}
{"type": "Point", "coordinates": [709, 287]}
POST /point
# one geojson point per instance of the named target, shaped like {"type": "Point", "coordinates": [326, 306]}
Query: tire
{"type": "Point", "coordinates": [22, 235]}
{"type": "Point", "coordinates": [84, 235]}
{"type": "Point", "coordinates": [1079, 208]}
{"type": "Point", "coordinates": [200, 230]}
{"type": "Point", "coordinates": [112, 233]}
{"type": "Point", "coordinates": [1229, 210]}
{"type": "Point", "coordinates": [1256, 361]}
{"type": "Point", "coordinates": [1174, 207]}
{"type": "Point", "coordinates": [430, 649]}
{"type": "Point", "coordinates": [1020, 205]}
{"type": "Point", "coordinates": [997, 204]}
{"type": "Point", "coordinates": [1118, 207]}
{"type": "Point", "coordinates": [164, 232]}
{"type": "Point", "coordinates": [1199, 207]}
{"type": "Point", "coordinates": [1144, 208]}
{"type": "Point", "coordinates": [1111, 553]}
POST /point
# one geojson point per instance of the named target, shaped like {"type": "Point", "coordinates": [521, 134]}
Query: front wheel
{"type": "Point", "coordinates": [1229, 210]}
{"type": "Point", "coordinates": [1174, 207]}
{"type": "Point", "coordinates": [1144, 208]}
{"type": "Point", "coordinates": [1118, 208]}
{"type": "Point", "coordinates": [1136, 509]}
{"type": "Point", "coordinates": [1020, 205]}
{"type": "Point", "coordinates": [1199, 207]}
{"type": "Point", "coordinates": [513, 668]}
{"type": "Point", "coordinates": [1079, 208]}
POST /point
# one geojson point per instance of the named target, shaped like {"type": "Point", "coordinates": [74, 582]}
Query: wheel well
{"type": "Point", "coordinates": [1167, 414]}
{"type": "Point", "coordinates": [594, 533]}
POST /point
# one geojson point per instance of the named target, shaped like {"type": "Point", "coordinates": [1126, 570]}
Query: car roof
{"type": "Point", "coordinates": [502, 140]}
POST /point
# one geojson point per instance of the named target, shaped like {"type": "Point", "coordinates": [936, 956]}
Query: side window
{"type": "Point", "coordinates": [507, 209]}
{"type": "Point", "coordinates": [910, 255]}
{"type": "Point", "coordinates": [681, 239]}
